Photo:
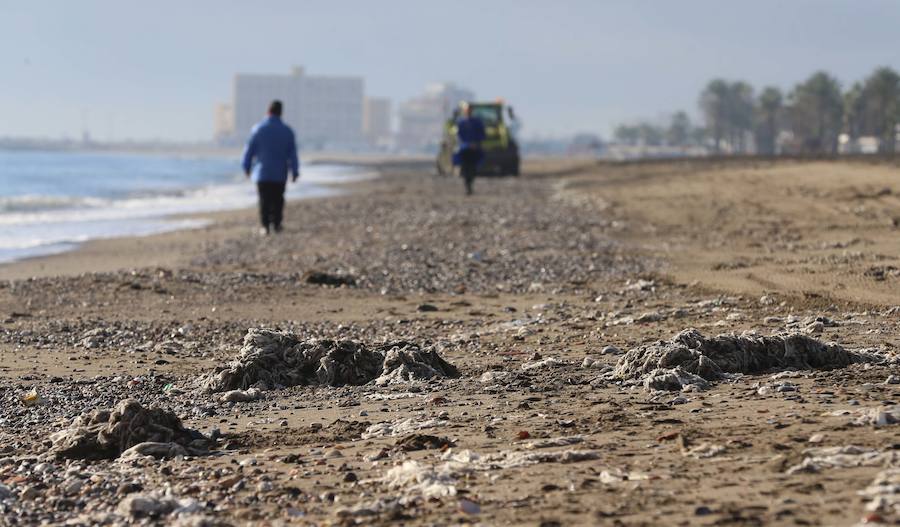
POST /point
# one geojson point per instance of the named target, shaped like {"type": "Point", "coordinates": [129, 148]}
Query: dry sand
{"type": "Point", "coordinates": [574, 259]}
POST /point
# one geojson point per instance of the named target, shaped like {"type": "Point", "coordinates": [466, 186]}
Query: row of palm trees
{"type": "Point", "coordinates": [810, 118]}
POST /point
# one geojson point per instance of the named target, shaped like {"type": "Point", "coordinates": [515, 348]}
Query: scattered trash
{"type": "Point", "coordinates": [818, 459]}
{"type": "Point", "coordinates": [240, 396]}
{"type": "Point", "coordinates": [154, 450]}
{"type": "Point", "coordinates": [401, 426]}
{"type": "Point", "coordinates": [490, 377]}
{"type": "Point", "coordinates": [673, 379]}
{"type": "Point", "coordinates": [105, 434]}
{"type": "Point", "coordinates": [705, 451]}
{"type": "Point", "coordinates": [674, 364]}
{"type": "Point", "coordinates": [391, 396]}
{"type": "Point", "coordinates": [31, 398]}
{"type": "Point", "coordinates": [334, 280]}
{"type": "Point", "coordinates": [417, 478]}
{"type": "Point", "coordinates": [543, 363]}
{"type": "Point", "coordinates": [884, 492]}
{"type": "Point", "coordinates": [273, 358]}
{"type": "Point", "coordinates": [648, 317]}
{"type": "Point", "coordinates": [466, 459]}
{"type": "Point", "coordinates": [554, 442]}
{"type": "Point", "coordinates": [880, 416]}
{"type": "Point", "coordinates": [416, 442]}
{"type": "Point", "coordinates": [613, 476]}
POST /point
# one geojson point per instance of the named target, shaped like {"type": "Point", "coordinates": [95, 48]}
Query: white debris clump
{"type": "Point", "coordinates": [402, 426]}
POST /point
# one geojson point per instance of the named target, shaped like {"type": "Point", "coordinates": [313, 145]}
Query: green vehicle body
{"type": "Point", "coordinates": [501, 152]}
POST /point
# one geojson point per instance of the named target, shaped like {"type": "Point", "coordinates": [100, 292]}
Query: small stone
{"type": "Point", "coordinates": [141, 506]}
{"type": "Point", "coordinates": [129, 488]}
{"type": "Point", "coordinates": [29, 493]}
{"type": "Point", "coordinates": [469, 507]}
{"type": "Point", "coordinates": [264, 486]}
{"type": "Point", "coordinates": [333, 453]}
{"type": "Point", "coordinates": [73, 487]}
{"type": "Point", "coordinates": [611, 350]}
{"type": "Point", "coordinates": [815, 328]}
{"type": "Point", "coordinates": [350, 477]}
{"type": "Point", "coordinates": [229, 482]}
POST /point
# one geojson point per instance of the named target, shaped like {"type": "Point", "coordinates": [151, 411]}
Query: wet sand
{"type": "Point", "coordinates": [572, 260]}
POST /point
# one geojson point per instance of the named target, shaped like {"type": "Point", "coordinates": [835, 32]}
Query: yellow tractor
{"type": "Point", "coordinates": [501, 152]}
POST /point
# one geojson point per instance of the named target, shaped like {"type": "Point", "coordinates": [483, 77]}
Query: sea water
{"type": "Point", "coordinates": [52, 201]}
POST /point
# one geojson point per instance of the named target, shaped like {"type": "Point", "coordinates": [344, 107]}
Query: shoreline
{"type": "Point", "coordinates": [108, 253]}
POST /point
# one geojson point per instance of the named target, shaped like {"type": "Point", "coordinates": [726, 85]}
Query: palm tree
{"type": "Point", "coordinates": [714, 105]}
{"type": "Point", "coordinates": [881, 106]}
{"type": "Point", "coordinates": [679, 131]}
{"type": "Point", "coordinates": [769, 108]}
{"type": "Point", "coordinates": [817, 109]}
{"type": "Point", "coordinates": [740, 112]}
{"type": "Point", "coordinates": [854, 111]}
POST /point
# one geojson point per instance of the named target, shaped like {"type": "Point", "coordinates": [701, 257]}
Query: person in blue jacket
{"type": "Point", "coordinates": [470, 134]}
{"type": "Point", "coordinates": [271, 153]}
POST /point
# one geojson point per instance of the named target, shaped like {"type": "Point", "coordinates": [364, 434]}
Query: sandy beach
{"type": "Point", "coordinates": [544, 292]}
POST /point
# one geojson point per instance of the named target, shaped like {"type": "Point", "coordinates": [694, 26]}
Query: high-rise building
{"type": "Point", "coordinates": [377, 121]}
{"type": "Point", "coordinates": [325, 112]}
{"type": "Point", "coordinates": [422, 118]}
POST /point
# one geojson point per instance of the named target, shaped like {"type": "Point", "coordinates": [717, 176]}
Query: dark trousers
{"type": "Point", "coordinates": [468, 166]}
{"type": "Point", "coordinates": [271, 203]}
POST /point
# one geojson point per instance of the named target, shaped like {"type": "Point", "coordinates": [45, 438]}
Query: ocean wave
{"type": "Point", "coordinates": [33, 202]}
{"type": "Point", "coordinates": [31, 223]}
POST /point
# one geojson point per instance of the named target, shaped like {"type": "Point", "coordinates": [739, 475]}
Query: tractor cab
{"type": "Point", "coordinates": [501, 151]}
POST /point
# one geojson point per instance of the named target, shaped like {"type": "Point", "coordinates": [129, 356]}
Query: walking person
{"type": "Point", "coordinates": [470, 134]}
{"type": "Point", "coordinates": [271, 153]}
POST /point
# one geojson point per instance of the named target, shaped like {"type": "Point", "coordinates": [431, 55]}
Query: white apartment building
{"type": "Point", "coordinates": [422, 118]}
{"type": "Point", "coordinates": [325, 112]}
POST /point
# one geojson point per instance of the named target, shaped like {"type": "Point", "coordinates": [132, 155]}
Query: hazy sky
{"type": "Point", "coordinates": [154, 69]}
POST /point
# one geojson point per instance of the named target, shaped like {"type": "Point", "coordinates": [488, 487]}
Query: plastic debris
{"type": "Point", "coordinates": [554, 442]}
{"type": "Point", "coordinates": [543, 363]}
{"type": "Point", "coordinates": [705, 451]}
{"type": "Point", "coordinates": [466, 459]}
{"type": "Point", "coordinates": [818, 459]}
{"type": "Point", "coordinates": [401, 427]}
{"type": "Point", "coordinates": [418, 478]}
{"type": "Point", "coordinates": [880, 416]}
{"type": "Point", "coordinates": [240, 396]}
{"type": "Point", "coordinates": [31, 398]}
{"type": "Point", "coordinates": [884, 492]}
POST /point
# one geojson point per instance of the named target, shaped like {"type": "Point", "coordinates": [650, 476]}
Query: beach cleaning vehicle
{"type": "Point", "coordinates": [501, 151]}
